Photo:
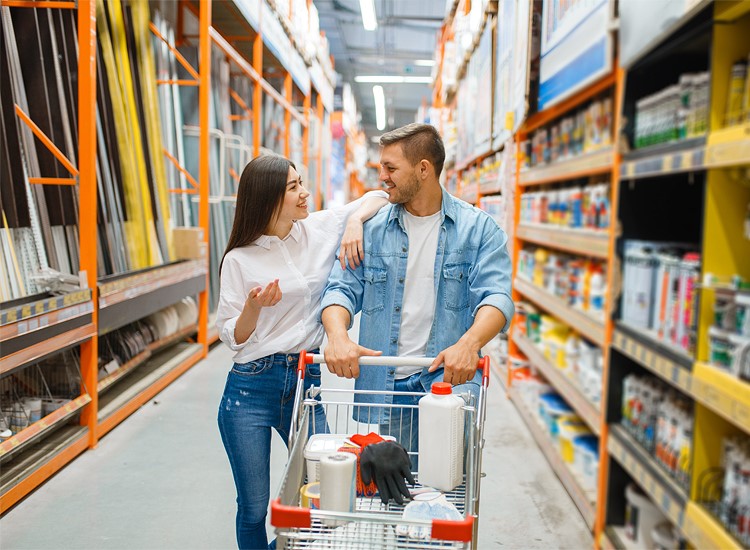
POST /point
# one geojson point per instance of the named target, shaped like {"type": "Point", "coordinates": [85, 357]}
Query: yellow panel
{"type": "Point", "coordinates": [704, 531]}
{"type": "Point", "coordinates": [730, 43]}
{"type": "Point", "coordinates": [725, 252]}
{"type": "Point", "coordinates": [728, 10]}
{"type": "Point", "coordinates": [723, 393]}
{"type": "Point", "coordinates": [709, 432]}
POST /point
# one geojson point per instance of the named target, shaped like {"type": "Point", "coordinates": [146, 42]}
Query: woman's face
{"type": "Point", "coordinates": [294, 206]}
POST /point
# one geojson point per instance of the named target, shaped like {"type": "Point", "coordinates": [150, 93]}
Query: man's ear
{"type": "Point", "coordinates": [425, 168]}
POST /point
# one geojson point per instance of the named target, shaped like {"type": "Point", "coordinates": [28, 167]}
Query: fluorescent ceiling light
{"type": "Point", "coordinates": [369, 19]}
{"type": "Point", "coordinates": [391, 79]}
{"type": "Point", "coordinates": [424, 62]}
{"type": "Point", "coordinates": [377, 92]}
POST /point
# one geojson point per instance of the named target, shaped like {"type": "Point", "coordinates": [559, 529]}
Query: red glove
{"type": "Point", "coordinates": [365, 440]}
{"type": "Point", "coordinates": [363, 490]}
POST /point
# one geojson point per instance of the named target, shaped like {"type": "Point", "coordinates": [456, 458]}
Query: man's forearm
{"type": "Point", "coordinates": [335, 321]}
{"type": "Point", "coordinates": [369, 208]}
{"type": "Point", "coordinates": [487, 324]}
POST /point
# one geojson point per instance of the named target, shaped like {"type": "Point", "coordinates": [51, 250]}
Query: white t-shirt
{"type": "Point", "coordinates": [302, 262]}
{"type": "Point", "coordinates": [418, 307]}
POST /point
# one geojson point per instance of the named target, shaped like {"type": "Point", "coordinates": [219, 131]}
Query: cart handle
{"type": "Point", "coordinates": [317, 358]}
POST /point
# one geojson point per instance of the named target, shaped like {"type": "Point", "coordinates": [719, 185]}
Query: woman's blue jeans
{"type": "Point", "coordinates": [258, 396]}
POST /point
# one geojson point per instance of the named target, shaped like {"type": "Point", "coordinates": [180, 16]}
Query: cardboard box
{"type": "Point", "coordinates": [188, 243]}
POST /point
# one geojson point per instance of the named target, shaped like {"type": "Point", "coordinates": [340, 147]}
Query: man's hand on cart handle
{"type": "Point", "coordinates": [342, 356]}
{"type": "Point", "coordinates": [388, 464]}
{"type": "Point", "coordinates": [460, 363]}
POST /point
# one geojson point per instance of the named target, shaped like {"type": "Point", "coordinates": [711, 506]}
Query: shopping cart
{"type": "Point", "coordinates": [374, 525]}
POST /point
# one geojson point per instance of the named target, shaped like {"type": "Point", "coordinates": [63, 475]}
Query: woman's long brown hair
{"type": "Point", "coordinates": [259, 198]}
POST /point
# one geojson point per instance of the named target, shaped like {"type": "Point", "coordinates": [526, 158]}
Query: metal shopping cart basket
{"type": "Point", "coordinates": [373, 525]}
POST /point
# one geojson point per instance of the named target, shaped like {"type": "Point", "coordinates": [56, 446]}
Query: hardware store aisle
{"type": "Point", "coordinates": [161, 480]}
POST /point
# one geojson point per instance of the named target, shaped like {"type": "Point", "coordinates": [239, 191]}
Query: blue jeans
{"type": "Point", "coordinates": [258, 396]}
{"type": "Point", "coordinates": [404, 421]}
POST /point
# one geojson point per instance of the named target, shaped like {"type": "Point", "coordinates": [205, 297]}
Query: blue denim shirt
{"type": "Point", "coordinates": [472, 269]}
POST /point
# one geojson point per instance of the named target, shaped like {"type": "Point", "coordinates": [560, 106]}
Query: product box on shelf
{"type": "Point", "coordinates": [188, 243]}
{"type": "Point", "coordinates": [660, 291]}
{"type": "Point", "coordinates": [579, 282]}
{"type": "Point", "coordinates": [661, 421]}
{"type": "Point", "coordinates": [729, 336]}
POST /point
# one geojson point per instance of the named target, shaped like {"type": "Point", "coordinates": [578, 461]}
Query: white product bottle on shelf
{"type": "Point", "coordinates": [441, 438]}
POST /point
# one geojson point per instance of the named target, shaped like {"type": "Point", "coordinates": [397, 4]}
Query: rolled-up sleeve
{"type": "Point", "coordinates": [231, 302]}
{"type": "Point", "coordinates": [490, 280]}
{"type": "Point", "coordinates": [345, 288]}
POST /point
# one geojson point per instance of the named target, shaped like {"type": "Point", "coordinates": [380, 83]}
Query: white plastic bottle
{"type": "Point", "coordinates": [441, 438]}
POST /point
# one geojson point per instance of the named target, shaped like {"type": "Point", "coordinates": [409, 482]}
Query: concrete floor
{"type": "Point", "coordinates": [161, 480]}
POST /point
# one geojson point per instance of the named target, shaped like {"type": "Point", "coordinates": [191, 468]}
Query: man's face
{"type": "Point", "coordinates": [400, 177]}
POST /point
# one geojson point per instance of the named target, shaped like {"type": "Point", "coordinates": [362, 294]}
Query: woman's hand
{"type": "Point", "coordinates": [352, 244]}
{"type": "Point", "coordinates": [264, 297]}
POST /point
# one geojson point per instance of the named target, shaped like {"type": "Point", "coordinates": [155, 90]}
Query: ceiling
{"type": "Point", "coordinates": [407, 31]}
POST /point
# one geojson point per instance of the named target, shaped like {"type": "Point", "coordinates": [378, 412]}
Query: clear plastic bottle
{"type": "Point", "coordinates": [441, 438]}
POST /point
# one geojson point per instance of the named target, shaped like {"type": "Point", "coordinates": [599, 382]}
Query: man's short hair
{"type": "Point", "coordinates": [418, 141]}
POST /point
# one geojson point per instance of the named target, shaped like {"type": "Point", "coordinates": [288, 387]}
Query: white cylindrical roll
{"type": "Point", "coordinates": [338, 482]}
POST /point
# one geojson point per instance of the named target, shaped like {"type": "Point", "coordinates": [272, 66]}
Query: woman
{"type": "Point", "coordinates": [273, 274]}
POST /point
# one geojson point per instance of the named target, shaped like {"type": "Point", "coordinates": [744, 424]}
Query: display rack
{"type": "Point", "coordinates": [268, 47]}
{"type": "Point", "coordinates": [715, 163]}
{"type": "Point", "coordinates": [584, 500]}
{"type": "Point", "coordinates": [587, 244]}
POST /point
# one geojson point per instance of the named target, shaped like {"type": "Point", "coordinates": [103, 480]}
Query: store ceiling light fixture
{"type": "Point", "coordinates": [424, 62]}
{"type": "Point", "coordinates": [377, 92]}
{"type": "Point", "coordinates": [392, 79]}
{"type": "Point", "coordinates": [369, 18]}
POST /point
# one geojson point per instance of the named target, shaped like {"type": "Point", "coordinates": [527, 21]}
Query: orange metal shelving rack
{"type": "Point", "coordinates": [615, 81]}
{"type": "Point", "coordinates": [93, 427]}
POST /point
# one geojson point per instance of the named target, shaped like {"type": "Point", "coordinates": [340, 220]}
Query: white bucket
{"type": "Point", "coordinates": [665, 537]}
{"type": "Point", "coordinates": [641, 516]}
{"type": "Point", "coordinates": [34, 405]}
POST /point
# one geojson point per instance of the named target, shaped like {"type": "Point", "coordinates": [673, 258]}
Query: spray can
{"type": "Point", "coordinates": [735, 99]}
{"type": "Point", "coordinates": [689, 276]}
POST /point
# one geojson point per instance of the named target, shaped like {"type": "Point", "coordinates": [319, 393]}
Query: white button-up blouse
{"type": "Point", "coordinates": [302, 262]}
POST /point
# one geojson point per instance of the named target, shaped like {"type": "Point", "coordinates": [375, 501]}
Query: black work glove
{"type": "Point", "coordinates": [386, 463]}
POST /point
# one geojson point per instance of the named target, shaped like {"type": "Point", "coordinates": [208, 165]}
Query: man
{"type": "Point", "coordinates": [435, 282]}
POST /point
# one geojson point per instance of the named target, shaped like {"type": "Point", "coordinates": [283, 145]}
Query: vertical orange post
{"type": "Point", "coordinates": [601, 496]}
{"type": "Point", "coordinates": [306, 133]}
{"type": "Point", "coordinates": [257, 91]}
{"type": "Point", "coordinates": [87, 200]}
{"type": "Point", "coordinates": [512, 347]}
{"type": "Point", "coordinates": [287, 114]}
{"type": "Point", "coordinates": [319, 175]}
{"type": "Point", "coordinates": [204, 96]}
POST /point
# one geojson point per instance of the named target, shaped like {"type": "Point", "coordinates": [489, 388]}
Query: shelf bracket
{"type": "Point", "coordinates": [47, 142]}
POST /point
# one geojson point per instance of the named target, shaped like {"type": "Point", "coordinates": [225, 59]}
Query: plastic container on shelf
{"type": "Point", "coordinates": [742, 319]}
{"type": "Point", "coordinates": [587, 459]}
{"type": "Point", "coordinates": [34, 405]}
{"type": "Point", "coordinates": [441, 438]}
{"type": "Point", "coordinates": [568, 430]}
{"type": "Point", "coordinates": [641, 516]}
{"type": "Point", "coordinates": [551, 408]}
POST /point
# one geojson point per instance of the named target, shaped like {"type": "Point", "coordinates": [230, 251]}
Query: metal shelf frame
{"type": "Point", "coordinates": [32, 331]}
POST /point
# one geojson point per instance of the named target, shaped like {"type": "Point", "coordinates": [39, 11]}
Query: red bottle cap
{"type": "Point", "coordinates": [442, 388]}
